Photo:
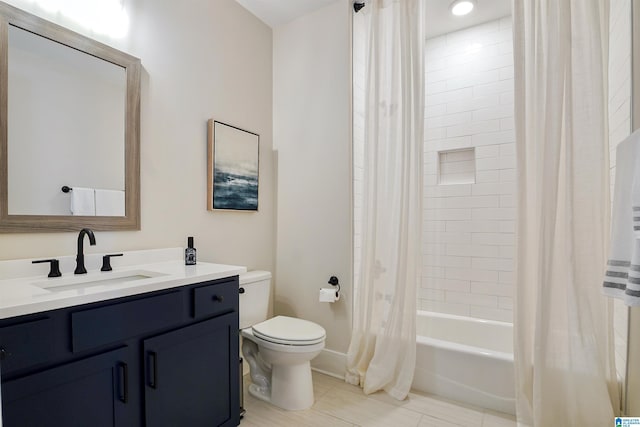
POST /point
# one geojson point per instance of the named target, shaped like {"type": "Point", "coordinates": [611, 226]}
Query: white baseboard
{"type": "Point", "coordinates": [330, 363]}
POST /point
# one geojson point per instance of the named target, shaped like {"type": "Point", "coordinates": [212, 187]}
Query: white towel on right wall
{"type": "Point", "coordinates": [83, 202]}
{"type": "Point", "coordinates": [622, 278]}
{"type": "Point", "coordinates": [109, 202]}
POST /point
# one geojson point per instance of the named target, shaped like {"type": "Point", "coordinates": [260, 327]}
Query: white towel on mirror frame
{"type": "Point", "coordinates": [622, 276]}
{"type": "Point", "coordinates": [83, 201]}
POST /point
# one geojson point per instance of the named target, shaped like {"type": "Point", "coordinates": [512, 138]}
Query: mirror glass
{"type": "Point", "coordinates": [66, 113]}
{"type": "Point", "coordinates": [69, 129]}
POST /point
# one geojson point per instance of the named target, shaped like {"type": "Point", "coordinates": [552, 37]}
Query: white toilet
{"type": "Point", "coordinates": [278, 350]}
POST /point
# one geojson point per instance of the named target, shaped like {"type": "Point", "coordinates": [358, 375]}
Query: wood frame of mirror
{"type": "Point", "coordinates": [11, 16]}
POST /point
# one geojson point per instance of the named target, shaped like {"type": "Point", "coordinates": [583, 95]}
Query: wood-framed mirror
{"type": "Point", "coordinates": [69, 117]}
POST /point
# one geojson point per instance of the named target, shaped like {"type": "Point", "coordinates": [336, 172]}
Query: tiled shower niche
{"type": "Point", "coordinates": [457, 166]}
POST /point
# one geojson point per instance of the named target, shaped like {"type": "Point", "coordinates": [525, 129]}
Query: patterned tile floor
{"type": "Point", "coordinates": [343, 405]}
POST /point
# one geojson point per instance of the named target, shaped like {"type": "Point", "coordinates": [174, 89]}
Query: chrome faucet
{"type": "Point", "coordinates": [80, 269]}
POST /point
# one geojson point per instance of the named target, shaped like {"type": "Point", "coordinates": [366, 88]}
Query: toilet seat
{"type": "Point", "coordinates": [289, 331]}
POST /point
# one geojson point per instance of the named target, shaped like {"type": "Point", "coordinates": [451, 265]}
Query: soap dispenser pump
{"type": "Point", "coordinates": [190, 253]}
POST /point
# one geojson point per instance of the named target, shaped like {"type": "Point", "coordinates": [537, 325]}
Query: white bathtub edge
{"type": "Point", "coordinates": [463, 318]}
{"type": "Point", "coordinates": [508, 357]}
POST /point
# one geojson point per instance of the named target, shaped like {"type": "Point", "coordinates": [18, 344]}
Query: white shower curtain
{"type": "Point", "coordinates": [383, 344]}
{"type": "Point", "coordinates": [565, 370]}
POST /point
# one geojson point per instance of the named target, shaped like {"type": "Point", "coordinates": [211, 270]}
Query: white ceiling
{"type": "Point", "coordinates": [439, 18]}
{"type": "Point", "coordinates": [441, 21]}
{"type": "Point", "coordinates": [278, 12]}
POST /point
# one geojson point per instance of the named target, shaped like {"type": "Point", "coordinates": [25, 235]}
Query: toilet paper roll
{"type": "Point", "coordinates": [328, 295]}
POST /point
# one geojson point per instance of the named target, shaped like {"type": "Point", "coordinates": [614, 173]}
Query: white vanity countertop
{"type": "Point", "coordinates": [28, 295]}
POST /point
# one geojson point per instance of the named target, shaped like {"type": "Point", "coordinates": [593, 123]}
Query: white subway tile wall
{"type": "Point", "coordinates": [619, 129]}
{"type": "Point", "coordinates": [469, 227]}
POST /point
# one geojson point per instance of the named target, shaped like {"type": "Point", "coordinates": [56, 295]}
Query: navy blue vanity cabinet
{"type": "Point", "coordinates": [165, 358]}
{"type": "Point", "coordinates": [181, 389]}
{"type": "Point", "coordinates": [89, 392]}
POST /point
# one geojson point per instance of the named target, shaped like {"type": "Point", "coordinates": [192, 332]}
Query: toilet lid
{"type": "Point", "coordinates": [289, 330]}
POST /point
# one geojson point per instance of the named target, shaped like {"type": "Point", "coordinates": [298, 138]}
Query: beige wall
{"type": "Point", "coordinates": [311, 63]}
{"type": "Point", "coordinates": [211, 59]}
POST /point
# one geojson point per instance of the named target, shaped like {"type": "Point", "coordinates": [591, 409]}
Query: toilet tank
{"type": "Point", "coordinates": [254, 302]}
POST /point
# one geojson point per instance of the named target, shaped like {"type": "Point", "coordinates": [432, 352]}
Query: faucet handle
{"type": "Point", "coordinates": [106, 262]}
{"type": "Point", "coordinates": [54, 271]}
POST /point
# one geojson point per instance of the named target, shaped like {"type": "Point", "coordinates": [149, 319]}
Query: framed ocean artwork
{"type": "Point", "coordinates": [232, 168]}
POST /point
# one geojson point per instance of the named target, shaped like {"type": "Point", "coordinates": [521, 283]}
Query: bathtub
{"type": "Point", "coordinates": [465, 359]}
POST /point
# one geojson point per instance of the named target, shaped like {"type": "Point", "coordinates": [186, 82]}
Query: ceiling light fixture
{"type": "Point", "coordinates": [462, 7]}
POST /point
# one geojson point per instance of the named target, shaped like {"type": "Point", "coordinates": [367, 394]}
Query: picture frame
{"type": "Point", "coordinates": [232, 168]}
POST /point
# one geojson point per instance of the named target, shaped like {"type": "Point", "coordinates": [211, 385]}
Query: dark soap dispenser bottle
{"type": "Point", "coordinates": [190, 253]}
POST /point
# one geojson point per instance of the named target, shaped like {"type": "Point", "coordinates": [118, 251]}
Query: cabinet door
{"type": "Point", "coordinates": [189, 377]}
{"type": "Point", "coordinates": [89, 392]}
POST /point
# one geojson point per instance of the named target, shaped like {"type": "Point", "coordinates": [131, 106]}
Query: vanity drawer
{"type": "Point", "coordinates": [215, 299]}
{"type": "Point", "coordinates": [27, 344]}
{"type": "Point", "coordinates": [112, 323]}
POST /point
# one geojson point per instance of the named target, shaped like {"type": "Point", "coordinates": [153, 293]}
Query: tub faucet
{"type": "Point", "coordinates": [80, 269]}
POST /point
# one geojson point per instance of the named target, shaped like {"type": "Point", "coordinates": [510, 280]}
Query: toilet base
{"type": "Point", "coordinates": [280, 374]}
{"type": "Point", "coordinates": [292, 386]}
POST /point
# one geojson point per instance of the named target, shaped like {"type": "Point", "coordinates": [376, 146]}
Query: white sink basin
{"type": "Point", "coordinates": [97, 279]}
